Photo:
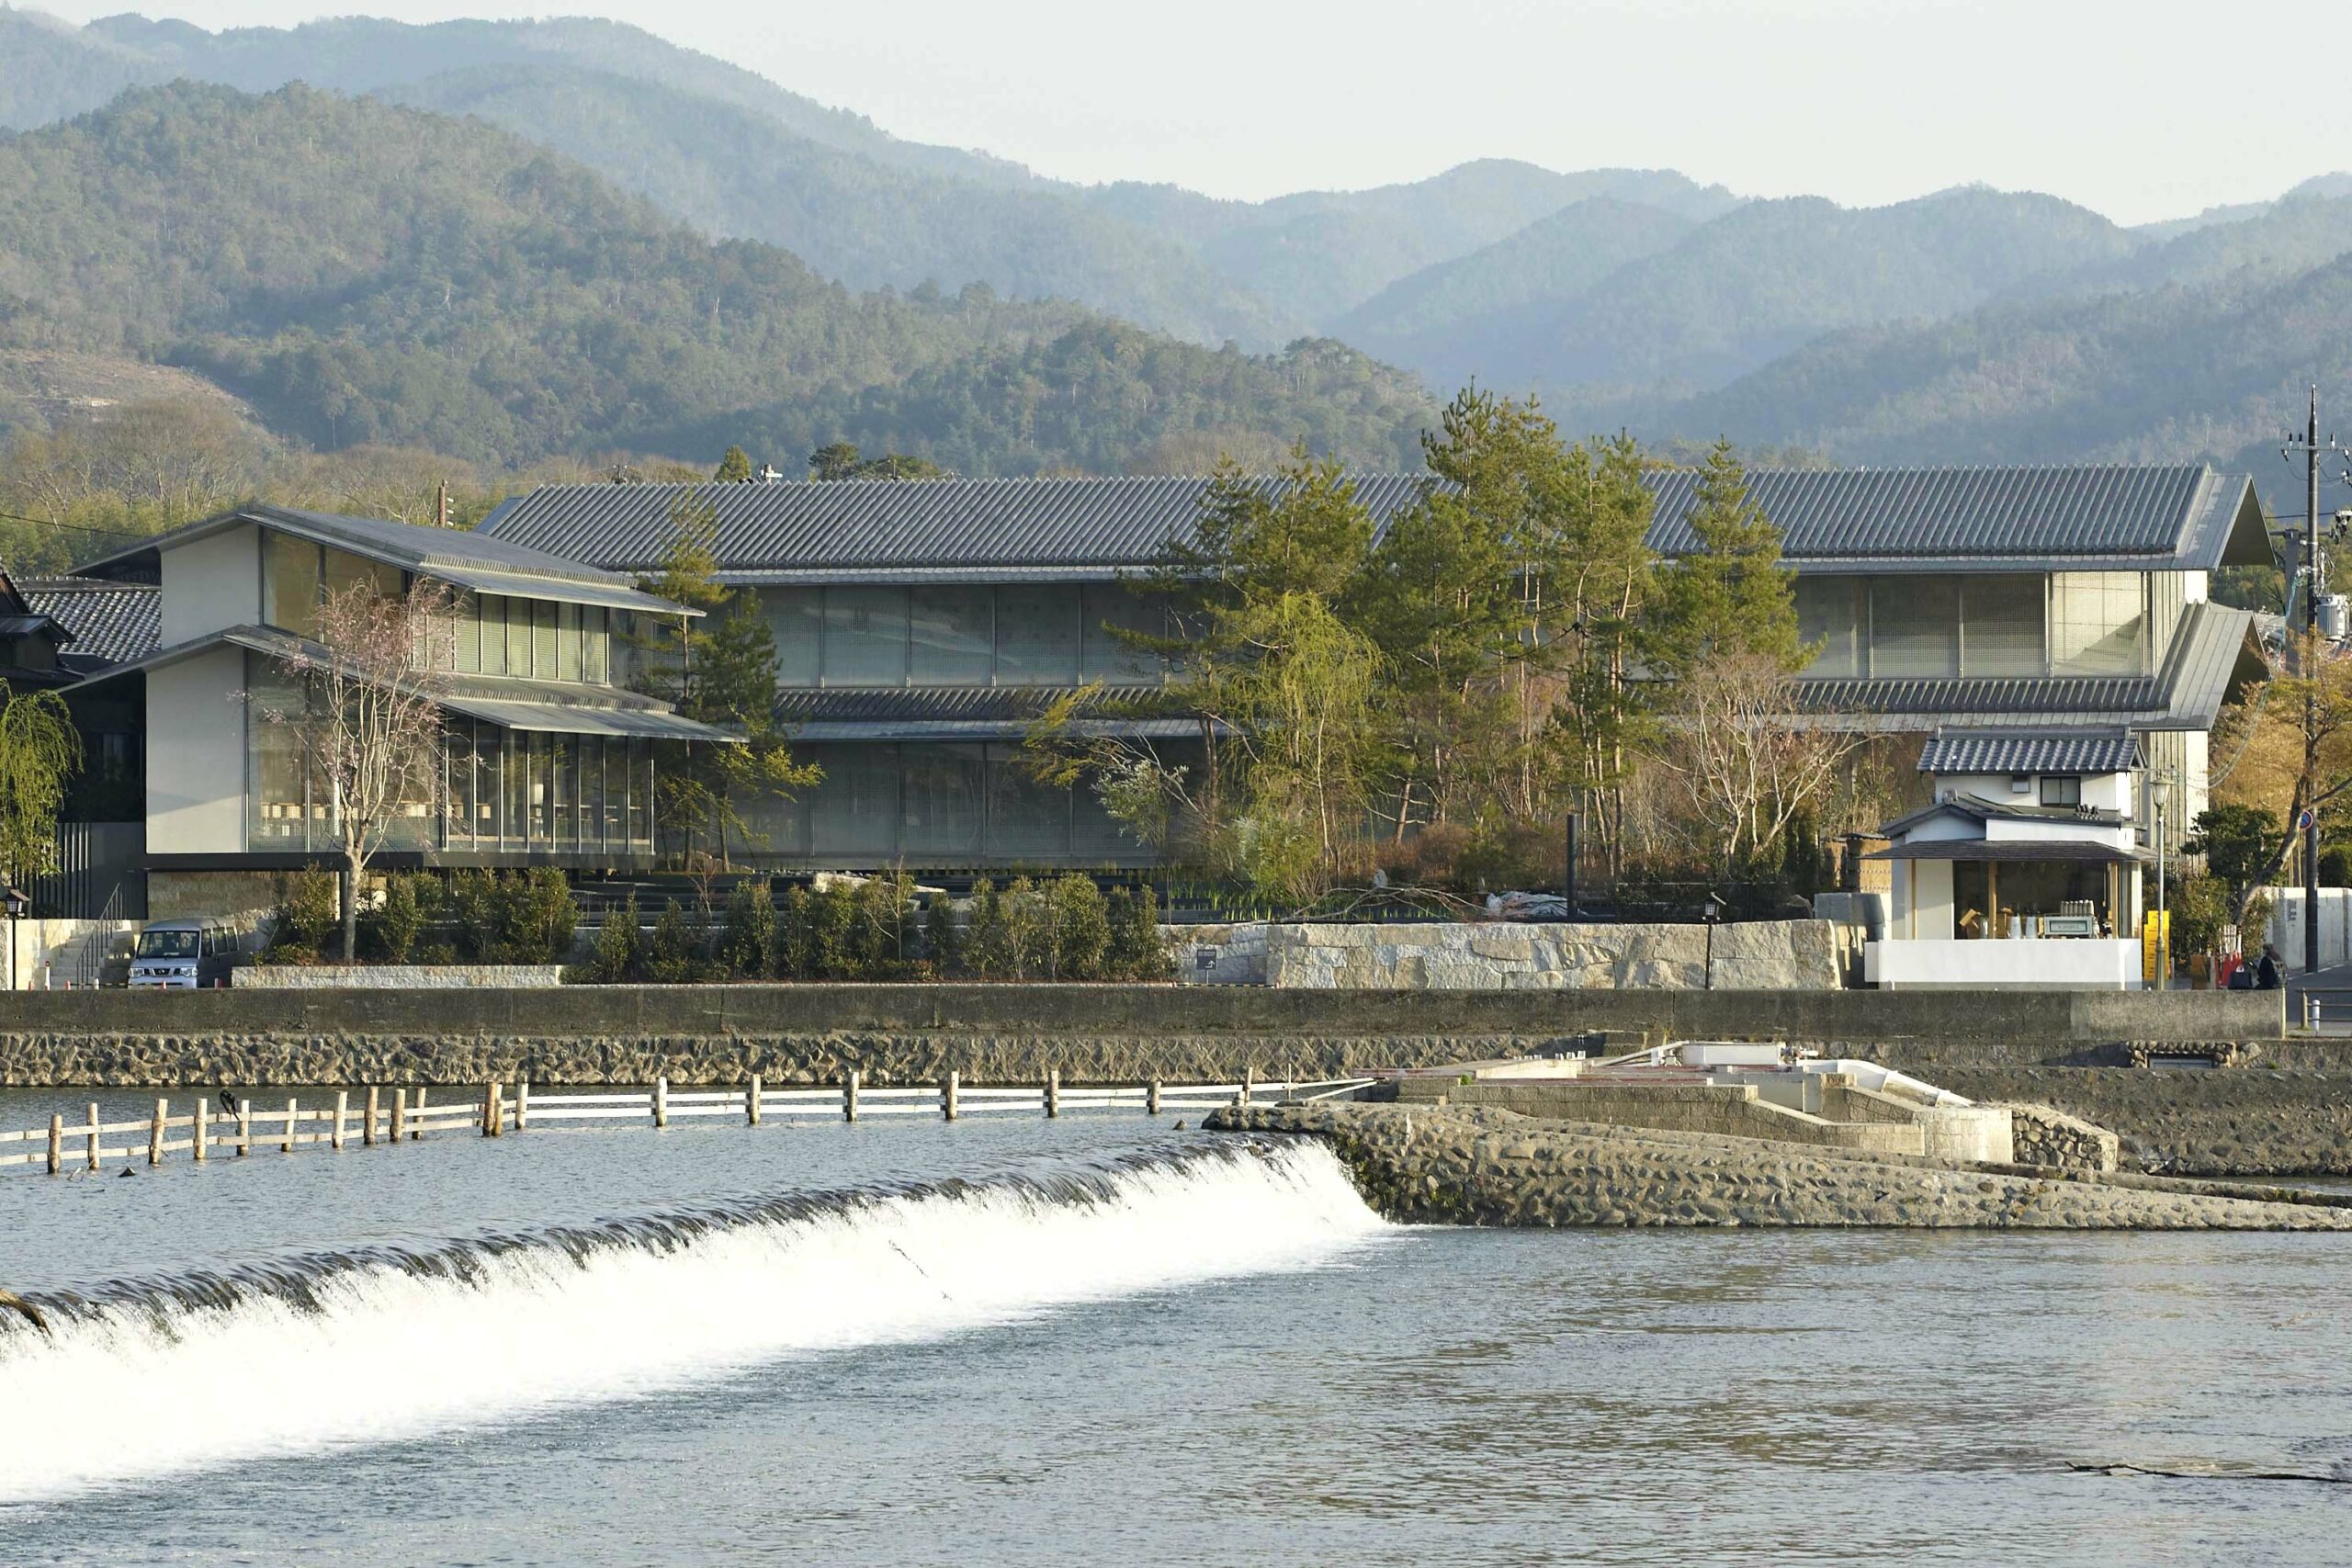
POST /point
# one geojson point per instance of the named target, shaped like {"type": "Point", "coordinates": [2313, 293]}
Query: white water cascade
{"type": "Point", "coordinates": [155, 1378]}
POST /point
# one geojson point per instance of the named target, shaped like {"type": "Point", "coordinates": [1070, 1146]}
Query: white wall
{"type": "Point", "coordinates": [211, 583]}
{"type": "Point", "coordinates": [2287, 927]}
{"type": "Point", "coordinates": [1931, 897]}
{"type": "Point", "coordinates": [2109, 791]}
{"type": "Point", "coordinates": [196, 754]}
{"type": "Point", "coordinates": [2083, 963]}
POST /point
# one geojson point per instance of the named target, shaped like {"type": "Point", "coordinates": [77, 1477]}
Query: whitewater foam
{"type": "Point", "coordinates": [149, 1377]}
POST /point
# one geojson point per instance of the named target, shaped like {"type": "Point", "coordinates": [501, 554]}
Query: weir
{"type": "Point", "coordinates": [287, 1356]}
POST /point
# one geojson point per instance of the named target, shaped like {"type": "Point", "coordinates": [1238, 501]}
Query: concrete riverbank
{"type": "Point", "coordinates": [1481, 1165]}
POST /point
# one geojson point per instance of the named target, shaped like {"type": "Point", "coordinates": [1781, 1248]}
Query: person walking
{"type": "Point", "coordinates": [2266, 973]}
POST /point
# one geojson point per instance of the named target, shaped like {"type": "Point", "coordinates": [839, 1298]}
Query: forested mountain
{"type": "Point", "coordinates": [362, 272]}
{"type": "Point", "coordinates": [733, 171]}
{"type": "Point", "coordinates": [1772, 276]}
{"type": "Point", "coordinates": [2214, 367]}
{"type": "Point", "coordinates": [1320, 254]}
{"type": "Point", "coordinates": [1449, 321]}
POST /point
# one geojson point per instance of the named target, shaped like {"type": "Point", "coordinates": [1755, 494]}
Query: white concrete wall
{"type": "Point", "coordinates": [2287, 927]}
{"type": "Point", "coordinates": [196, 755]}
{"type": "Point", "coordinates": [42, 955]}
{"type": "Point", "coordinates": [1931, 911]}
{"type": "Point", "coordinates": [2109, 791]}
{"type": "Point", "coordinates": [2082, 963]}
{"type": "Point", "coordinates": [211, 583]}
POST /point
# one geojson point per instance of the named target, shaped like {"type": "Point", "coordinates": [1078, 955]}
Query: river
{"type": "Point", "coordinates": [1100, 1339]}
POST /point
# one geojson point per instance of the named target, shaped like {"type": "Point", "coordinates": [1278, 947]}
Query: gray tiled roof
{"type": "Point", "coordinates": [111, 622]}
{"type": "Point", "coordinates": [937, 527]}
{"type": "Point", "coordinates": [2100, 751]}
{"type": "Point", "coordinates": [1903, 520]}
{"type": "Point", "coordinates": [2109, 515]}
{"type": "Point", "coordinates": [469, 559]}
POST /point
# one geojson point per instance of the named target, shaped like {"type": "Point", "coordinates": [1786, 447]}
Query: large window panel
{"type": "Point", "coordinates": [1831, 611]}
{"type": "Point", "coordinates": [274, 759]}
{"type": "Point", "coordinates": [562, 792]}
{"type": "Point", "coordinates": [543, 662]}
{"type": "Point", "coordinates": [570, 662]}
{"type": "Point", "coordinates": [797, 622]}
{"type": "Point", "coordinates": [1027, 820]}
{"type": "Point", "coordinates": [2001, 631]}
{"type": "Point", "coordinates": [1914, 626]}
{"type": "Point", "coordinates": [952, 634]}
{"type": "Point", "coordinates": [2095, 623]}
{"type": "Point", "coordinates": [595, 647]}
{"type": "Point", "coordinates": [856, 810]}
{"type": "Point", "coordinates": [290, 583]}
{"type": "Point", "coordinates": [946, 800]}
{"type": "Point", "coordinates": [865, 637]}
{"type": "Point", "coordinates": [1036, 635]}
{"type": "Point", "coordinates": [345, 570]}
{"type": "Point", "coordinates": [1105, 609]}
{"type": "Point", "coordinates": [464, 633]}
{"type": "Point", "coordinates": [515, 770]}
{"type": "Point", "coordinates": [488, 804]}
{"type": "Point", "coordinates": [518, 637]}
{"type": "Point", "coordinates": [492, 611]}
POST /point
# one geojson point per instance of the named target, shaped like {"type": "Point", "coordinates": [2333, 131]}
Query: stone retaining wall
{"type": "Point", "coordinates": [1483, 1166]}
{"type": "Point", "coordinates": [1765, 955]}
{"type": "Point", "coordinates": [2223, 1121]}
{"type": "Point", "coordinates": [2042, 1137]}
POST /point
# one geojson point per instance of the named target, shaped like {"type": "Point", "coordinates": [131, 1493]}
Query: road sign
{"type": "Point", "coordinates": [2303, 823]}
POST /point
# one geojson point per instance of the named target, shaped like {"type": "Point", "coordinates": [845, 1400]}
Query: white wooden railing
{"type": "Point", "coordinates": [404, 1115]}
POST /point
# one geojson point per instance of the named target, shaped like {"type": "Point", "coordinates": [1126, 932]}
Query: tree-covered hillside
{"type": "Point", "coordinates": [1321, 253]}
{"type": "Point", "coordinates": [1446, 321]}
{"type": "Point", "coordinates": [2213, 370]}
{"type": "Point", "coordinates": [732, 172]}
{"type": "Point", "coordinates": [361, 272]}
{"type": "Point", "coordinates": [1773, 275]}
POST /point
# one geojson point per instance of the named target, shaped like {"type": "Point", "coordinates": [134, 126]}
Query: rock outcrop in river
{"type": "Point", "coordinates": [1480, 1164]}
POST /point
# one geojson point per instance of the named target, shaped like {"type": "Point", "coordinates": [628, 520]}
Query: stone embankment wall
{"type": "Point", "coordinates": [2039, 1135]}
{"type": "Point", "coordinates": [1764, 956]}
{"type": "Point", "coordinates": [1484, 1165]}
{"type": "Point", "coordinates": [2218, 1122]}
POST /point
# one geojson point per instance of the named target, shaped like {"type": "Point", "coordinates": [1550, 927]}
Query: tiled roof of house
{"type": "Point", "coordinates": [110, 622]}
{"type": "Point", "coordinates": [2084, 750]}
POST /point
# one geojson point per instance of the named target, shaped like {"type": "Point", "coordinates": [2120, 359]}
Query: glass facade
{"type": "Point", "coordinates": [935, 805]}
{"type": "Point", "coordinates": [960, 635]}
{"type": "Point", "coordinates": [1940, 627]}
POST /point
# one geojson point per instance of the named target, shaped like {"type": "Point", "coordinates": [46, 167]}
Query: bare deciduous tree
{"type": "Point", "coordinates": [1743, 758]}
{"type": "Point", "coordinates": [367, 718]}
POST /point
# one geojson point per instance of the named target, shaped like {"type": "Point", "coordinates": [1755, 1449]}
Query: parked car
{"type": "Point", "coordinates": [184, 956]}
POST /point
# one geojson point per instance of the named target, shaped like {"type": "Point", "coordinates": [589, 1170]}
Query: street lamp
{"type": "Point", "coordinates": [18, 904]}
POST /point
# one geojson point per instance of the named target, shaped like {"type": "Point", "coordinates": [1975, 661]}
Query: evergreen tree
{"type": "Point", "coordinates": [619, 946]}
{"type": "Point", "coordinates": [796, 935]}
{"type": "Point", "coordinates": [670, 960]}
{"type": "Point", "coordinates": [1730, 596]}
{"type": "Point", "coordinates": [750, 932]}
{"type": "Point", "coordinates": [939, 945]}
{"type": "Point", "coordinates": [734, 468]}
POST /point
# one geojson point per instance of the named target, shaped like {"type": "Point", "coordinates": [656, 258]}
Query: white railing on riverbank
{"type": "Point", "coordinates": [391, 1116]}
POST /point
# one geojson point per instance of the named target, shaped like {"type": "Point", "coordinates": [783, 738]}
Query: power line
{"type": "Point", "coordinates": [77, 527]}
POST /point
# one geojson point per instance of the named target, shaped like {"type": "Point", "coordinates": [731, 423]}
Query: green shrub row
{"type": "Point", "coordinates": [475, 917]}
{"type": "Point", "coordinates": [875, 929]}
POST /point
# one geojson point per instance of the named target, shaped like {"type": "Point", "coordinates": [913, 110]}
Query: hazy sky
{"type": "Point", "coordinates": [2139, 108]}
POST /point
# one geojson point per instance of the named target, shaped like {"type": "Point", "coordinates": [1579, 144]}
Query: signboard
{"type": "Point", "coordinates": [2155, 947]}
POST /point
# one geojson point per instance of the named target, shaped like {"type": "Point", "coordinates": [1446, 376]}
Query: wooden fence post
{"type": "Point", "coordinates": [661, 1102]}
{"type": "Point", "coordinates": [56, 1141]}
{"type": "Point", "coordinates": [94, 1137]}
{"type": "Point", "coordinates": [244, 1128]}
{"type": "Point", "coordinates": [416, 1129]}
{"type": "Point", "coordinates": [751, 1102]}
{"type": "Point", "coordinates": [203, 1128]}
{"type": "Point", "coordinates": [287, 1147]}
{"type": "Point", "coordinates": [155, 1132]}
{"type": "Point", "coordinates": [947, 1094]}
{"type": "Point", "coordinates": [1152, 1099]}
{"type": "Point", "coordinates": [1053, 1091]}
{"type": "Point", "coordinates": [367, 1127]}
{"type": "Point", "coordinates": [342, 1109]}
{"type": "Point", "coordinates": [849, 1096]}
{"type": "Point", "coordinates": [493, 1111]}
{"type": "Point", "coordinates": [400, 1113]}
{"type": "Point", "coordinates": [522, 1105]}
{"type": "Point", "coordinates": [1248, 1082]}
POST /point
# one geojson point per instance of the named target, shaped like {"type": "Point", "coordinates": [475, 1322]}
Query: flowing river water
{"type": "Point", "coordinates": [1100, 1339]}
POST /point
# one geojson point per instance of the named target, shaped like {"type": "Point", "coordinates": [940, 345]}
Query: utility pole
{"type": "Point", "coordinates": [2309, 445]}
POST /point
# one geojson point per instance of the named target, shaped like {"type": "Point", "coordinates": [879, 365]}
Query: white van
{"type": "Point", "coordinates": [184, 956]}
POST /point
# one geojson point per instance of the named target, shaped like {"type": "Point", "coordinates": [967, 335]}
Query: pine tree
{"type": "Point", "coordinates": [1730, 596]}
{"type": "Point", "coordinates": [939, 945]}
{"type": "Point", "coordinates": [619, 954]}
{"type": "Point", "coordinates": [734, 468]}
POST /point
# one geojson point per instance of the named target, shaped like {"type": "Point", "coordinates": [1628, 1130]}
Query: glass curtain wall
{"type": "Point", "coordinates": [568, 794]}
{"type": "Point", "coordinates": [1932, 626]}
{"type": "Point", "coordinates": [936, 805]}
{"type": "Point", "coordinates": [960, 635]}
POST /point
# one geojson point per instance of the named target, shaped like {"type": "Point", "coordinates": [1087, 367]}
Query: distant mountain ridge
{"type": "Point", "coordinates": [357, 271]}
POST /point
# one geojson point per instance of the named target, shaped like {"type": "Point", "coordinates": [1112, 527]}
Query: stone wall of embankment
{"type": "Point", "coordinates": [901, 1033]}
{"type": "Point", "coordinates": [1481, 1165]}
{"type": "Point", "coordinates": [2225, 1122]}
